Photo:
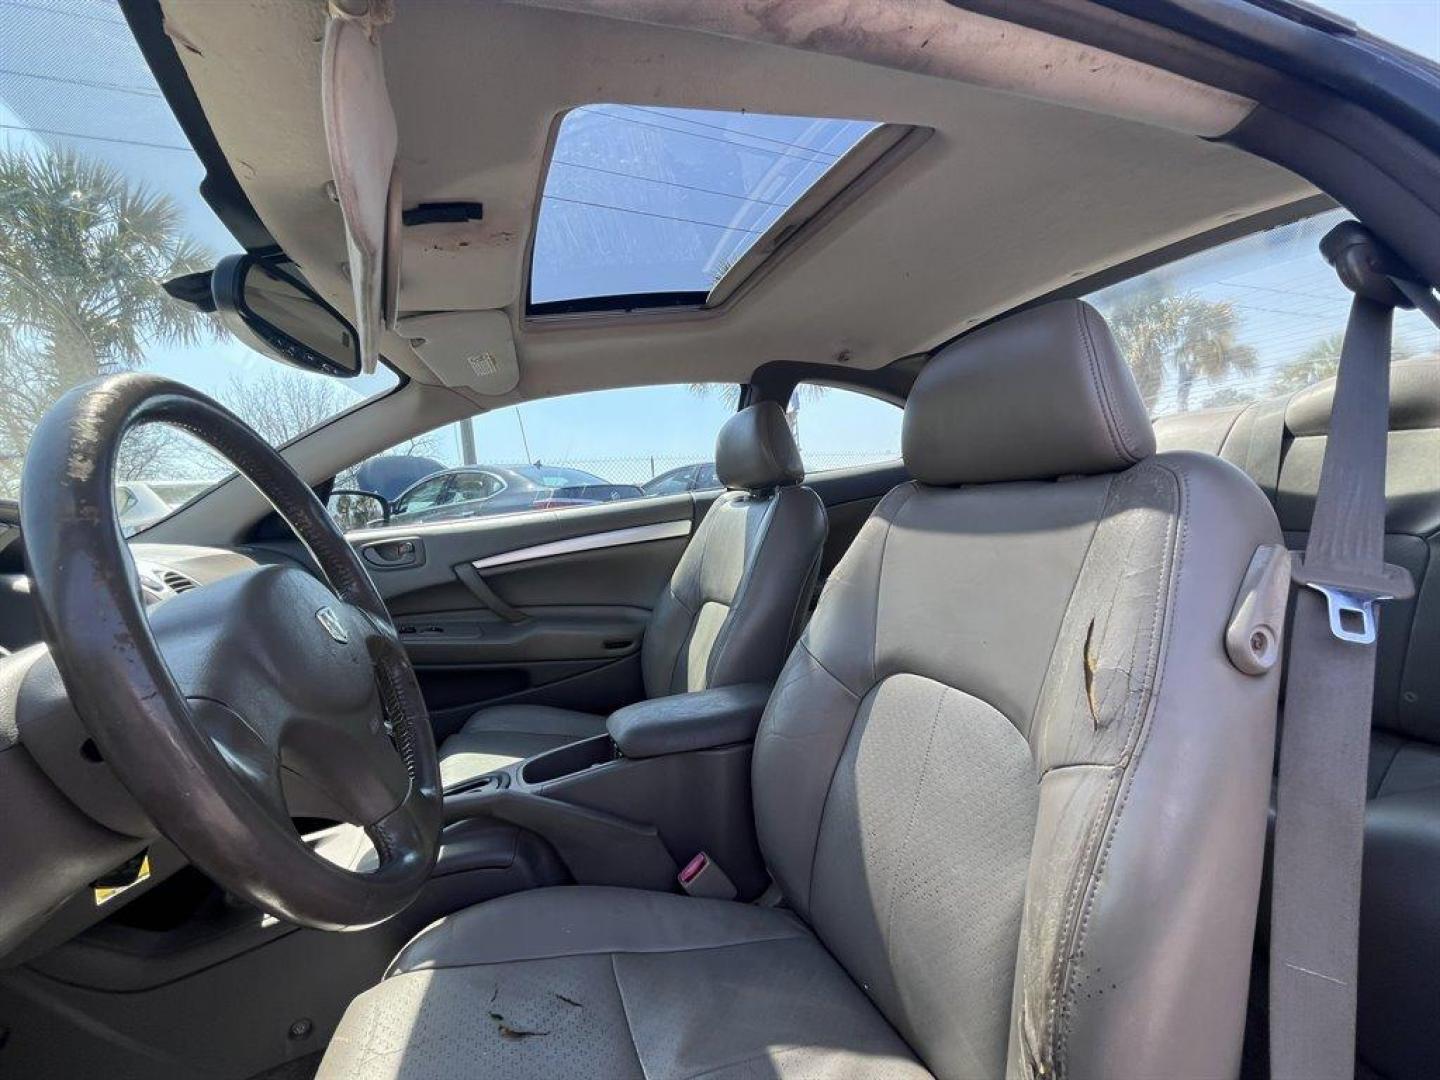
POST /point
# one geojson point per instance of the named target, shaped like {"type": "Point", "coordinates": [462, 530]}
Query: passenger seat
{"type": "Point", "coordinates": [1281, 444]}
{"type": "Point", "coordinates": [729, 614]}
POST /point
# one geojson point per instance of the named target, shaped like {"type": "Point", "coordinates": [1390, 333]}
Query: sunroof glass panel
{"type": "Point", "coordinates": [648, 201]}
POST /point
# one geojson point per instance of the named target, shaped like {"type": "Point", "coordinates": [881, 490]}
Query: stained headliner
{"type": "Point", "coordinates": [1010, 198]}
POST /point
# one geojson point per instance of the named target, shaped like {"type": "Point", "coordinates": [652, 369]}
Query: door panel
{"type": "Point", "coordinates": [557, 615]}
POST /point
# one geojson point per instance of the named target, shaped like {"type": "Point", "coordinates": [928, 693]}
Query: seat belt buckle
{"type": "Point", "coordinates": [1350, 599]}
{"type": "Point", "coordinates": [703, 877]}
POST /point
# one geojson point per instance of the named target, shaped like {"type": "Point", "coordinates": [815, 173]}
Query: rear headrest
{"type": "Point", "coordinates": [756, 451]}
{"type": "Point", "coordinates": [1414, 400]}
{"type": "Point", "coordinates": [1041, 394]}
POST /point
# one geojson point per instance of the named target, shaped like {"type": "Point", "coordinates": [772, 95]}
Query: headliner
{"type": "Point", "coordinates": [1015, 193]}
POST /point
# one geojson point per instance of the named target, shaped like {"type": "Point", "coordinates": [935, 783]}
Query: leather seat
{"type": "Point", "coordinates": [1399, 974]}
{"type": "Point", "coordinates": [729, 614]}
{"type": "Point", "coordinates": [1010, 786]}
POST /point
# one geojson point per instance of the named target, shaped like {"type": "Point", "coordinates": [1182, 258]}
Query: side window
{"type": "Point", "coordinates": [469, 486]}
{"type": "Point", "coordinates": [839, 428]}
{"type": "Point", "coordinates": [421, 496]}
{"type": "Point", "coordinates": [1251, 319]}
{"type": "Point", "coordinates": [674, 482]}
{"type": "Point", "coordinates": [553, 454]}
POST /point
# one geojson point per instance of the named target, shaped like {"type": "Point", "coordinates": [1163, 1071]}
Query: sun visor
{"type": "Point", "coordinates": [361, 136]}
{"type": "Point", "coordinates": [473, 349]}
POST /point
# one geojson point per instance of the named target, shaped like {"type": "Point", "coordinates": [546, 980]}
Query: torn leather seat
{"type": "Point", "coordinates": [1011, 787]}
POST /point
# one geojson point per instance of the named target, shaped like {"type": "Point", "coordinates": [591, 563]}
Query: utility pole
{"type": "Point", "coordinates": [467, 441]}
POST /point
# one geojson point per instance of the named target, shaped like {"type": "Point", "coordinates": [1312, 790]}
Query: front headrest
{"type": "Point", "coordinates": [1041, 394]}
{"type": "Point", "coordinates": [755, 450]}
{"type": "Point", "coordinates": [1414, 400]}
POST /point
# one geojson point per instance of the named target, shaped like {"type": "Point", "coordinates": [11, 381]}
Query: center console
{"type": "Point", "coordinates": [669, 779]}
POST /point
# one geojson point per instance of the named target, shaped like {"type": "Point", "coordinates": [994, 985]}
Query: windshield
{"type": "Point", "coordinates": [100, 204]}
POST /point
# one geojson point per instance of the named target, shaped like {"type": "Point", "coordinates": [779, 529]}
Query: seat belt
{"type": "Point", "coordinates": [1324, 750]}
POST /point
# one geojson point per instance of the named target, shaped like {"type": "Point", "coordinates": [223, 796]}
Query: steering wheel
{"type": "Point", "coordinates": [205, 706]}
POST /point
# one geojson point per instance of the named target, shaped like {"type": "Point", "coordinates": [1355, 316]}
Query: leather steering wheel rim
{"type": "Point", "coordinates": [211, 789]}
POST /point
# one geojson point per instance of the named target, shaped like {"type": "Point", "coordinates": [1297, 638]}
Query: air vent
{"type": "Point", "coordinates": [176, 581]}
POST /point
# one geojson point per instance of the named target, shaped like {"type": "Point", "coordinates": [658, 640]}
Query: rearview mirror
{"type": "Point", "coordinates": [275, 313]}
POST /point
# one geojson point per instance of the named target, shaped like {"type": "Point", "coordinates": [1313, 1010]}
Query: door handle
{"type": "Point", "coordinates": [480, 589]}
{"type": "Point", "coordinates": [399, 553]}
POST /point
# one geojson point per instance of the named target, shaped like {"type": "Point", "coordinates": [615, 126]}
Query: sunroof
{"type": "Point", "coordinates": [648, 206]}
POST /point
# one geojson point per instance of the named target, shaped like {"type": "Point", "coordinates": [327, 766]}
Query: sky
{"type": "Point", "coordinates": [70, 76]}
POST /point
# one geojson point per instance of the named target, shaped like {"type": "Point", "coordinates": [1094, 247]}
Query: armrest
{"type": "Point", "coordinates": [681, 722]}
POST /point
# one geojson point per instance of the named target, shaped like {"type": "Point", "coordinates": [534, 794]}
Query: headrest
{"type": "Point", "coordinates": [1414, 400]}
{"type": "Point", "coordinates": [756, 451]}
{"type": "Point", "coordinates": [1041, 394]}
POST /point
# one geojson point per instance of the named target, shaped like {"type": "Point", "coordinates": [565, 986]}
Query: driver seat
{"type": "Point", "coordinates": [1009, 784]}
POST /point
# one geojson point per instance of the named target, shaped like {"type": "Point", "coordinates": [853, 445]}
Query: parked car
{"type": "Point", "coordinates": [138, 504]}
{"type": "Point", "coordinates": [700, 477]}
{"type": "Point", "coordinates": [484, 490]}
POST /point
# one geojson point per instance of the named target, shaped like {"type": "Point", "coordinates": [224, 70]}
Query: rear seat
{"type": "Point", "coordinates": [1280, 444]}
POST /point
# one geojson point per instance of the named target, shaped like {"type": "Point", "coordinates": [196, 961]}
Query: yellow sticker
{"type": "Point", "coordinates": [112, 891]}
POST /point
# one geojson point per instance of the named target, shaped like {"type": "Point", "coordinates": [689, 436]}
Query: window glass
{"type": "Point", "coordinates": [99, 205]}
{"type": "Point", "coordinates": [554, 454]}
{"type": "Point", "coordinates": [644, 200]}
{"type": "Point", "coordinates": [474, 485]}
{"type": "Point", "coordinates": [839, 428]}
{"type": "Point", "coordinates": [422, 496]}
{"type": "Point", "coordinates": [1244, 321]}
{"type": "Point", "coordinates": [1411, 24]}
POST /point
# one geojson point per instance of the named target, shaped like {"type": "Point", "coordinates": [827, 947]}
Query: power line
{"type": "Point", "coordinates": [68, 12]}
{"type": "Point", "coordinates": [649, 214]}
{"type": "Point", "coordinates": [671, 183]}
{"type": "Point", "coordinates": [139, 91]}
{"type": "Point", "coordinates": [820, 159]}
{"type": "Point", "coordinates": [728, 130]}
{"type": "Point", "coordinates": [96, 138]}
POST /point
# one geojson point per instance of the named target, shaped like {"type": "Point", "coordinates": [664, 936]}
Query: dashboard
{"type": "Point", "coordinates": [163, 571]}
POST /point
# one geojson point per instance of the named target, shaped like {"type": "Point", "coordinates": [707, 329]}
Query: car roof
{"type": "Point", "coordinates": [1123, 158]}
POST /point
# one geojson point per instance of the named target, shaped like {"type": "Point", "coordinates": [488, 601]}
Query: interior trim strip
{"type": "Point", "coordinates": [637, 534]}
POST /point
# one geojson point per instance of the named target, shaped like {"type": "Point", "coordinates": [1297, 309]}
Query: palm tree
{"type": "Point", "coordinates": [1208, 349]}
{"type": "Point", "coordinates": [1177, 340]}
{"type": "Point", "coordinates": [83, 253]}
{"type": "Point", "coordinates": [1319, 361]}
{"type": "Point", "coordinates": [729, 395]}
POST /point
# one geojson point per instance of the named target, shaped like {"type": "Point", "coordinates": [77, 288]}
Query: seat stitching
{"type": "Point", "coordinates": [625, 1013]}
{"type": "Point", "coordinates": [1380, 784]}
{"type": "Point", "coordinates": [812, 575]}
{"type": "Point", "coordinates": [1175, 550]}
{"type": "Point", "coordinates": [880, 578]}
{"type": "Point", "coordinates": [747, 576]}
{"type": "Point", "coordinates": [1098, 388]}
{"type": "Point", "coordinates": [821, 665]}
{"type": "Point", "coordinates": [874, 641]}
{"type": "Point", "coordinates": [898, 864]}
{"type": "Point", "coordinates": [695, 613]}
{"type": "Point", "coordinates": [550, 955]}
